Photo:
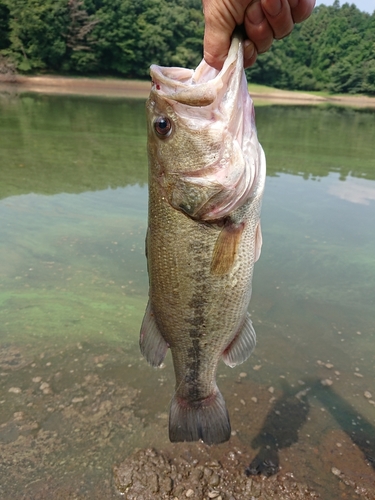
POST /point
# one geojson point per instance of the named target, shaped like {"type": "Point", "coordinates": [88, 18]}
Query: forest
{"type": "Point", "coordinates": [334, 50]}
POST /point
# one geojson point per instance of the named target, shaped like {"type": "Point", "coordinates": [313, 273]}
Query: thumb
{"type": "Point", "coordinates": [218, 30]}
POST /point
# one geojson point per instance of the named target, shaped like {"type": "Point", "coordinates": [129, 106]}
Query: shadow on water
{"type": "Point", "coordinates": [290, 412]}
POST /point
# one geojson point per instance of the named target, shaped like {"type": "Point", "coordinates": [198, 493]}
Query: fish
{"type": "Point", "coordinates": [206, 180]}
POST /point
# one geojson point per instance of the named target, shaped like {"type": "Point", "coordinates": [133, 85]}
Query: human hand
{"type": "Point", "coordinates": [264, 21]}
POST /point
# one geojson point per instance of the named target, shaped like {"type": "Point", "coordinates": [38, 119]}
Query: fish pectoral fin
{"type": "Point", "coordinates": [226, 246]}
{"type": "Point", "coordinates": [258, 242]}
{"type": "Point", "coordinates": [241, 346]}
{"type": "Point", "coordinates": [153, 346]}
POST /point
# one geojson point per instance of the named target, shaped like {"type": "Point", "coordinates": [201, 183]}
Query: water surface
{"type": "Point", "coordinates": [75, 394]}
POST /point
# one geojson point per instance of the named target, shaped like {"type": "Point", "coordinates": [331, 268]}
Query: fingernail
{"type": "Point", "coordinates": [272, 7]}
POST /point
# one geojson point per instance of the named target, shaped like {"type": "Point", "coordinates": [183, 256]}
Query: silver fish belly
{"type": "Point", "coordinates": [206, 181]}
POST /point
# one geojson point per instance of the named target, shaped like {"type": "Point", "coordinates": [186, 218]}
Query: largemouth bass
{"type": "Point", "coordinates": [206, 180]}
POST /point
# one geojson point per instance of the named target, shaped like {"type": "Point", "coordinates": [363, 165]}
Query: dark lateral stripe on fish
{"type": "Point", "coordinates": [193, 367]}
{"type": "Point", "coordinates": [226, 246]}
{"type": "Point", "coordinates": [207, 420]}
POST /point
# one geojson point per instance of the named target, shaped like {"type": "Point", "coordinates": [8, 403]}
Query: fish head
{"type": "Point", "coordinates": [202, 140]}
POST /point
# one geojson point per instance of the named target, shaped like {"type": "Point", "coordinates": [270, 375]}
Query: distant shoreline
{"type": "Point", "coordinates": [140, 89]}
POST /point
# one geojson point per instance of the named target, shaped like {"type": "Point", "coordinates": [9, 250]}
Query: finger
{"type": "Point", "coordinates": [279, 17]}
{"type": "Point", "coordinates": [250, 53]}
{"type": "Point", "coordinates": [258, 28]}
{"type": "Point", "coordinates": [301, 9]}
{"type": "Point", "coordinates": [216, 45]}
{"type": "Point", "coordinates": [216, 48]}
{"type": "Point", "coordinates": [217, 34]}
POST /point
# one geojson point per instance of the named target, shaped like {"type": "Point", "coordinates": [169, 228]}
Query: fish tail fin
{"type": "Point", "coordinates": [207, 420]}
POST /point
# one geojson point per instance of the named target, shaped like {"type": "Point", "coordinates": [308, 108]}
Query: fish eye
{"type": "Point", "coordinates": [163, 126]}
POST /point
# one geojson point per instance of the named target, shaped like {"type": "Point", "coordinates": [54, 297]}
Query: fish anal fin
{"type": "Point", "coordinates": [241, 346]}
{"type": "Point", "coordinates": [225, 249]}
{"type": "Point", "coordinates": [153, 346]}
{"type": "Point", "coordinates": [207, 419]}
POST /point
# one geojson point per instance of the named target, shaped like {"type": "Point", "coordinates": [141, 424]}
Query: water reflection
{"type": "Point", "coordinates": [354, 191]}
{"type": "Point", "coordinates": [312, 142]}
{"type": "Point", "coordinates": [53, 144]}
{"type": "Point", "coordinates": [73, 288]}
{"type": "Point", "coordinates": [50, 144]}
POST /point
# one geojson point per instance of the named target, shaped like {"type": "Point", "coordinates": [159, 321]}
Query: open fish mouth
{"type": "Point", "coordinates": [199, 87]}
{"type": "Point", "coordinates": [210, 101]}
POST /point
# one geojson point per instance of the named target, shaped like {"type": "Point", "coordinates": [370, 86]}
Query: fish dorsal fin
{"type": "Point", "coordinates": [153, 346]}
{"type": "Point", "coordinates": [241, 346]}
{"type": "Point", "coordinates": [226, 246]}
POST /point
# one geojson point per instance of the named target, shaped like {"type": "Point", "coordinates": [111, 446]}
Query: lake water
{"type": "Point", "coordinates": [76, 397]}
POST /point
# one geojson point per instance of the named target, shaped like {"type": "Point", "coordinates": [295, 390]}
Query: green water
{"type": "Point", "coordinates": [73, 288]}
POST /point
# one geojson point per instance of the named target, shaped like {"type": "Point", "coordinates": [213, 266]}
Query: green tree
{"type": "Point", "coordinates": [369, 78]}
{"type": "Point", "coordinates": [80, 42]}
{"type": "Point", "coordinates": [4, 26]}
{"type": "Point", "coordinates": [116, 35]}
{"type": "Point", "coordinates": [333, 50]}
{"type": "Point", "coordinates": [36, 33]}
{"type": "Point", "coordinates": [169, 36]}
{"type": "Point", "coordinates": [133, 35]}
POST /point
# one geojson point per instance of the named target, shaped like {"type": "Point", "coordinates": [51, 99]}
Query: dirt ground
{"type": "Point", "coordinates": [80, 423]}
{"type": "Point", "coordinates": [140, 89]}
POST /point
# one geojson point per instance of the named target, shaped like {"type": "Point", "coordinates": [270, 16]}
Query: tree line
{"type": "Point", "coordinates": [333, 50]}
